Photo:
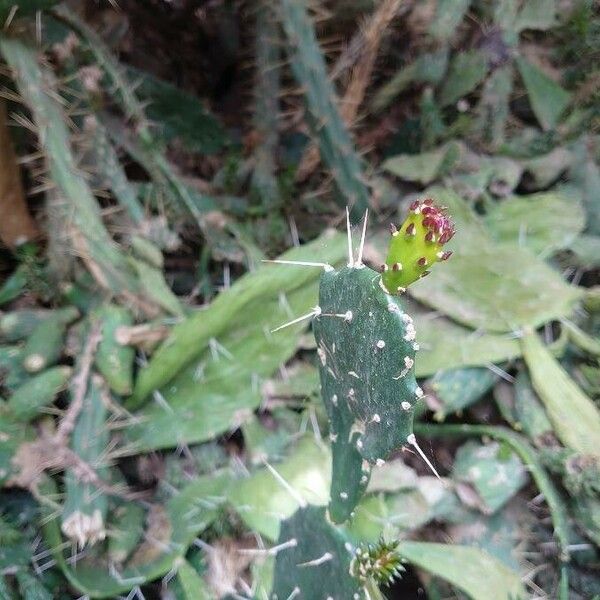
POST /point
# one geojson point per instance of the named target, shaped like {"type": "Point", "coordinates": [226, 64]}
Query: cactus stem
{"type": "Point", "coordinates": [301, 263]}
{"type": "Point", "coordinates": [315, 312]}
{"type": "Point", "coordinates": [290, 490]}
{"type": "Point", "coordinates": [317, 561]}
{"type": "Point", "coordinates": [359, 263]}
{"type": "Point", "coordinates": [412, 440]}
{"type": "Point", "coordinates": [349, 233]}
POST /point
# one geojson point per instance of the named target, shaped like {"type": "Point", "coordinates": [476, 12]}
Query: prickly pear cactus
{"type": "Point", "coordinates": [313, 560]}
{"type": "Point", "coordinates": [416, 245]}
{"type": "Point", "coordinates": [366, 346]}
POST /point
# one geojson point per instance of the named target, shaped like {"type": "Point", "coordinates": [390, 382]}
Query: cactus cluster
{"type": "Point", "coordinates": [366, 346]}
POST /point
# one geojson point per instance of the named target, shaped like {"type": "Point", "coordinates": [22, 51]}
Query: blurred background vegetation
{"type": "Point", "coordinates": [153, 153]}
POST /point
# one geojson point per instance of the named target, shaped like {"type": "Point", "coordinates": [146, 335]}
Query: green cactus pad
{"type": "Point", "coordinates": [313, 560]}
{"type": "Point", "coordinates": [366, 345]}
{"type": "Point", "coordinates": [416, 246]}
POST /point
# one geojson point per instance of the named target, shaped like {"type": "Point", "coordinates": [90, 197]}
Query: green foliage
{"type": "Point", "coordinates": [425, 167]}
{"type": "Point", "coordinates": [574, 416]}
{"type": "Point", "coordinates": [30, 398]}
{"type": "Point", "coordinates": [495, 475]}
{"type": "Point", "coordinates": [263, 502]}
{"type": "Point", "coordinates": [455, 389]}
{"type": "Point", "coordinates": [498, 288]}
{"type": "Point", "coordinates": [469, 569]}
{"type": "Point", "coordinates": [85, 505]}
{"type": "Point", "coordinates": [37, 85]}
{"type": "Point", "coordinates": [335, 144]}
{"type": "Point", "coordinates": [175, 113]}
{"type": "Point", "coordinates": [176, 525]}
{"type": "Point", "coordinates": [113, 360]}
{"type": "Point", "coordinates": [548, 100]}
{"type": "Point", "coordinates": [543, 222]}
{"type": "Point", "coordinates": [467, 70]}
{"type": "Point", "coordinates": [221, 381]}
{"type": "Point", "coordinates": [191, 338]}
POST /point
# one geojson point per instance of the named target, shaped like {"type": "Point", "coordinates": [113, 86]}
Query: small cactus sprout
{"type": "Point", "coordinates": [416, 245]}
{"type": "Point", "coordinates": [378, 562]}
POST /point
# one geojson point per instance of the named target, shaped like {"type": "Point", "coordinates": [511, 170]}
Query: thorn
{"type": "Point", "coordinates": [291, 491]}
{"type": "Point", "coordinates": [317, 561]}
{"type": "Point", "coordinates": [295, 593]}
{"type": "Point", "coordinates": [446, 255]}
{"type": "Point", "coordinates": [411, 229]}
{"type": "Point", "coordinates": [400, 289]}
{"type": "Point", "coordinates": [349, 233]}
{"type": "Point", "coordinates": [300, 263]}
{"type": "Point", "coordinates": [393, 229]}
{"type": "Point", "coordinates": [412, 440]}
{"type": "Point", "coordinates": [430, 237]}
{"type": "Point", "coordinates": [315, 312]}
{"type": "Point", "coordinates": [362, 241]}
{"type": "Point", "coordinates": [422, 262]}
{"type": "Point", "coordinates": [273, 551]}
{"type": "Point", "coordinates": [347, 316]}
{"type": "Point", "coordinates": [397, 267]}
{"type": "Point", "coordinates": [424, 274]}
{"type": "Point", "coordinates": [383, 268]}
{"type": "Point", "coordinates": [414, 205]}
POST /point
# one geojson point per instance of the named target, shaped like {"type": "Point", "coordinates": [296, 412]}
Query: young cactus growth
{"type": "Point", "coordinates": [366, 346]}
{"type": "Point", "coordinates": [416, 246]}
{"type": "Point", "coordinates": [379, 563]}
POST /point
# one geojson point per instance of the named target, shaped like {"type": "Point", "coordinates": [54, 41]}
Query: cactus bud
{"type": "Point", "coordinates": [417, 245]}
{"type": "Point", "coordinates": [377, 562]}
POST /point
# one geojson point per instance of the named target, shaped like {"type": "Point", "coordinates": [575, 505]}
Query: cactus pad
{"type": "Point", "coordinates": [416, 245]}
{"type": "Point", "coordinates": [366, 345]}
{"type": "Point", "coordinates": [313, 560]}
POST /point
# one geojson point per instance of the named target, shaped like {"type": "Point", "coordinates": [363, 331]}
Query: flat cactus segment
{"type": "Point", "coordinates": [455, 389]}
{"type": "Point", "coordinates": [366, 345]}
{"type": "Point", "coordinates": [416, 246]}
{"type": "Point", "coordinates": [313, 561]}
